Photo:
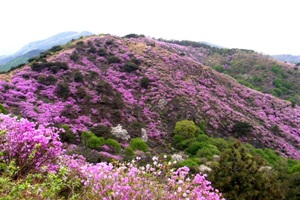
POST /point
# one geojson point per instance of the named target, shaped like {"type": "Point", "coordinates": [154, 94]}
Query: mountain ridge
{"type": "Point", "coordinates": [102, 81]}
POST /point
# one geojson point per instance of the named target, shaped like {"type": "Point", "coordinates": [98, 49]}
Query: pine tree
{"type": "Point", "coordinates": [239, 177]}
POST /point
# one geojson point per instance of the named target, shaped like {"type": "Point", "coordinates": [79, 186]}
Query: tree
{"type": "Point", "coordinates": [185, 128]}
{"type": "Point", "coordinates": [239, 176]}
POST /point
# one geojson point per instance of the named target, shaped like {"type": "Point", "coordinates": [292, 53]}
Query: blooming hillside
{"type": "Point", "coordinates": [146, 86]}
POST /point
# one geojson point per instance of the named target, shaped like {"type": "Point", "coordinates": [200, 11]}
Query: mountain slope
{"type": "Point", "coordinates": [99, 82]}
{"type": "Point", "coordinates": [35, 48]}
{"type": "Point", "coordinates": [254, 70]}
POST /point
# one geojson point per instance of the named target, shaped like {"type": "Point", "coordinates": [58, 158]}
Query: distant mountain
{"type": "Point", "coordinates": [287, 58]}
{"type": "Point", "coordinates": [35, 48]}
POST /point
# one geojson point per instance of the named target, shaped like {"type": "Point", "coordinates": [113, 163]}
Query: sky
{"type": "Point", "coordinates": [266, 26]}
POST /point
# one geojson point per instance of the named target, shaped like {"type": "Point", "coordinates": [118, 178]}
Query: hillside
{"type": "Point", "coordinates": [35, 48]}
{"type": "Point", "coordinates": [254, 70]}
{"type": "Point", "coordinates": [99, 82]}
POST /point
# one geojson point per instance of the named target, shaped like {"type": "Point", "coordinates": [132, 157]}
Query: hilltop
{"type": "Point", "coordinates": [99, 82]}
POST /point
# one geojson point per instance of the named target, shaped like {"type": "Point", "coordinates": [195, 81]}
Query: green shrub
{"type": "Point", "coordinates": [55, 48]}
{"type": "Point", "coordinates": [128, 153]}
{"type": "Point", "coordinates": [193, 148]}
{"type": "Point", "coordinates": [74, 56]}
{"type": "Point", "coordinates": [178, 138]}
{"type": "Point", "coordinates": [220, 143]}
{"type": "Point", "coordinates": [185, 143]}
{"type": "Point", "coordinates": [67, 136]}
{"type": "Point", "coordinates": [95, 142]}
{"type": "Point", "coordinates": [186, 128]}
{"type": "Point", "coordinates": [130, 67]}
{"type": "Point", "coordinates": [2, 109]}
{"type": "Point", "coordinates": [101, 52]}
{"type": "Point", "coordinates": [46, 80]}
{"type": "Point", "coordinates": [138, 144]}
{"type": "Point", "coordinates": [219, 68]}
{"type": "Point", "coordinates": [295, 169]}
{"type": "Point", "coordinates": [112, 59]}
{"type": "Point", "coordinates": [114, 144]}
{"type": "Point", "coordinates": [202, 138]}
{"type": "Point", "coordinates": [242, 128]}
{"type": "Point", "coordinates": [208, 152]}
{"type": "Point", "coordinates": [85, 135]}
{"type": "Point", "coordinates": [144, 82]}
{"type": "Point", "coordinates": [100, 130]}
{"type": "Point", "coordinates": [62, 90]}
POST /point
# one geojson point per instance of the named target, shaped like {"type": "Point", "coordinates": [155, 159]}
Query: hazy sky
{"type": "Point", "coordinates": [266, 26]}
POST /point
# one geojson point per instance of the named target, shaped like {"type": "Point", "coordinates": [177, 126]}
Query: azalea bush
{"type": "Point", "coordinates": [32, 147]}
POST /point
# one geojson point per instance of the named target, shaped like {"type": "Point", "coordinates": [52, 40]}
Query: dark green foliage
{"type": "Point", "coordinates": [219, 68]}
{"type": "Point", "coordinates": [67, 135]}
{"type": "Point", "coordinates": [92, 49]}
{"type": "Point", "coordinates": [112, 59]}
{"type": "Point", "coordinates": [130, 67]}
{"type": "Point", "coordinates": [81, 93]}
{"type": "Point", "coordinates": [53, 66]}
{"type": "Point", "coordinates": [178, 138]}
{"type": "Point", "coordinates": [55, 48]}
{"type": "Point", "coordinates": [208, 151]}
{"type": "Point", "coordinates": [133, 35]}
{"type": "Point", "coordinates": [2, 109]}
{"type": "Point", "coordinates": [101, 52]}
{"type": "Point", "coordinates": [185, 143]}
{"type": "Point", "coordinates": [62, 90]}
{"type": "Point", "coordinates": [128, 153]}
{"type": "Point", "coordinates": [144, 82]}
{"type": "Point", "coordinates": [74, 56]}
{"type": "Point", "coordinates": [100, 130]}
{"type": "Point", "coordinates": [238, 176]}
{"type": "Point", "coordinates": [276, 69]}
{"type": "Point", "coordinates": [293, 186]}
{"type": "Point", "coordinates": [295, 169]}
{"type": "Point", "coordinates": [91, 141]}
{"type": "Point", "coordinates": [109, 42]}
{"type": "Point", "coordinates": [202, 138]}
{"type": "Point", "coordinates": [242, 128]}
{"type": "Point", "coordinates": [104, 87]}
{"type": "Point", "coordinates": [138, 144]}
{"type": "Point", "coordinates": [193, 148]}
{"type": "Point", "coordinates": [46, 80]}
{"type": "Point", "coordinates": [275, 129]}
{"type": "Point", "coordinates": [114, 144]}
{"type": "Point", "coordinates": [78, 77]}
{"type": "Point", "coordinates": [186, 128]}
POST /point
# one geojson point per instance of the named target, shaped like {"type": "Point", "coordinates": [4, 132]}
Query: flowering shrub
{"type": "Point", "coordinates": [119, 132]}
{"type": "Point", "coordinates": [32, 149]}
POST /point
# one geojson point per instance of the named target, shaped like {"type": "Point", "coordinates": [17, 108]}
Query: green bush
{"type": "Point", "coordinates": [67, 136]}
{"type": "Point", "coordinates": [144, 82]}
{"type": "Point", "coordinates": [295, 169]}
{"type": "Point", "coordinates": [85, 135]}
{"type": "Point", "coordinates": [178, 138]}
{"type": "Point", "coordinates": [74, 56]}
{"type": "Point", "coordinates": [193, 148]}
{"type": "Point", "coordinates": [46, 80]}
{"type": "Point", "coordinates": [220, 143]}
{"type": "Point", "coordinates": [95, 142]}
{"type": "Point", "coordinates": [128, 153]}
{"type": "Point", "coordinates": [2, 109]}
{"type": "Point", "coordinates": [186, 128]}
{"type": "Point", "coordinates": [202, 138]}
{"type": "Point", "coordinates": [138, 144]}
{"type": "Point", "coordinates": [112, 59]}
{"type": "Point", "coordinates": [208, 152]}
{"type": "Point", "coordinates": [242, 128]}
{"type": "Point", "coordinates": [219, 68]}
{"type": "Point", "coordinates": [114, 144]}
{"type": "Point", "coordinates": [130, 67]}
{"type": "Point", "coordinates": [62, 90]}
{"type": "Point", "coordinates": [185, 143]}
